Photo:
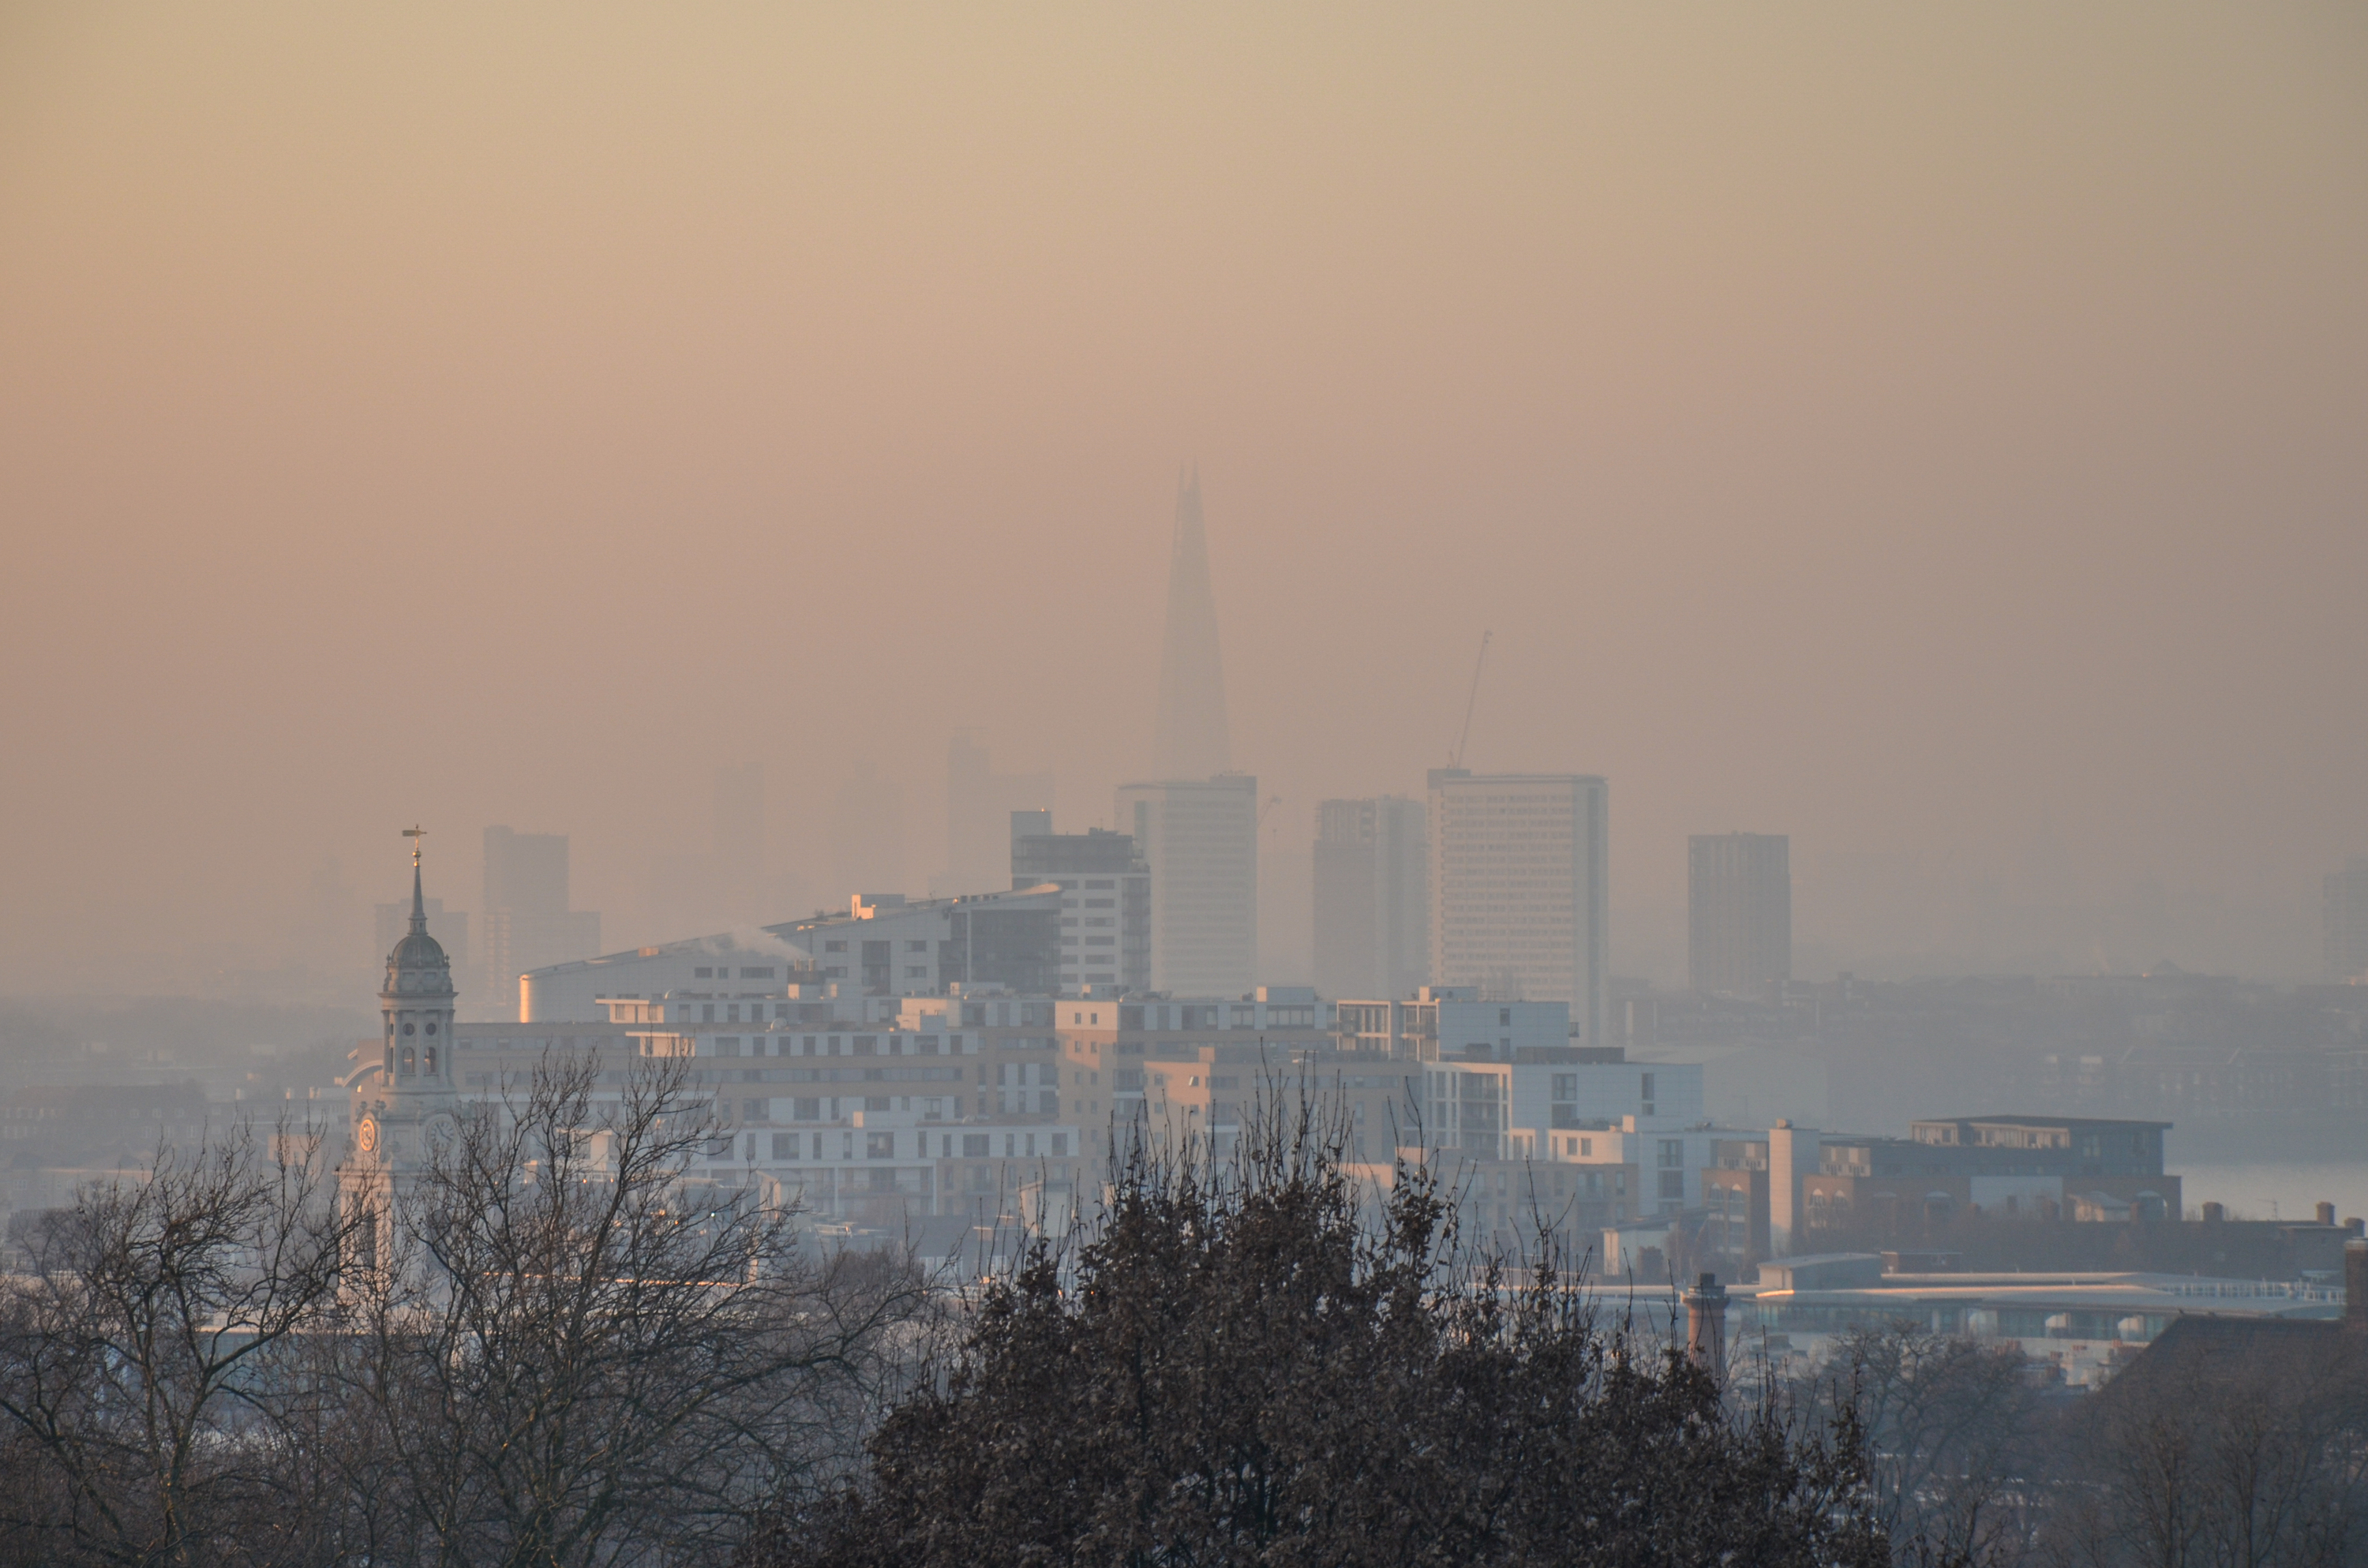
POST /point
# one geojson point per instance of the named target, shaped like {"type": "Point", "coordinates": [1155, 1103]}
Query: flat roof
{"type": "Point", "coordinates": [2020, 1121]}
{"type": "Point", "coordinates": [2157, 1293]}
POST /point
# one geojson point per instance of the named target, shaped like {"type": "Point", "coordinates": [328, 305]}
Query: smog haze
{"type": "Point", "coordinates": [1934, 436]}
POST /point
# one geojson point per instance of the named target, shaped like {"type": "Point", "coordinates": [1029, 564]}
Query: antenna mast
{"type": "Point", "coordinates": [1455, 758]}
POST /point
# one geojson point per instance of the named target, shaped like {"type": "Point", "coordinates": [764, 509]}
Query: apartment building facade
{"type": "Point", "coordinates": [1520, 892]}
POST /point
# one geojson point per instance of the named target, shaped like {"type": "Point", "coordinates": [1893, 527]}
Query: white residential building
{"type": "Point", "coordinates": [883, 947]}
{"type": "Point", "coordinates": [1575, 1092]}
{"type": "Point", "coordinates": [1452, 1020]}
{"type": "Point", "coordinates": [1520, 900]}
{"type": "Point", "coordinates": [1105, 901]}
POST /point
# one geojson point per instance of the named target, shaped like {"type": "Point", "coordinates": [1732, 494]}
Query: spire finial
{"type": "Point", "coordinates": [418, 905]}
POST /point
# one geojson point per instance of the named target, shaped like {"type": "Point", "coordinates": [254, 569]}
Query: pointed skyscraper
{"type": "Point", "coordinates": [1192, 741]}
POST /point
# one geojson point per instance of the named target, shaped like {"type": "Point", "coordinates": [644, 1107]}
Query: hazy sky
{"type": "Point", "coordinates": [1941, 434]}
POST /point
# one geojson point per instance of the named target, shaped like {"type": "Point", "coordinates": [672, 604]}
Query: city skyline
{"type": "Point", "coordinates": [922, 567]}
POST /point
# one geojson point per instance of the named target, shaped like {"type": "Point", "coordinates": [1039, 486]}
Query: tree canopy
{"type": "Point", "coordinates": [1251, 1361]}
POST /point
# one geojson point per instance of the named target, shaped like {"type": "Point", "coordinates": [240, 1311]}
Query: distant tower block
{"type": "Point", "coordinates": [979, 806]}
{"type": "Point", "coordinates": [527, 923]}
{"type": "Point", "coordinates": [1519, 899]}
{"type": "Point", "coordinates": [1193, 737]}
{"type": "Point", "coordinates": [1199, 838]}
{"type": "Point", "coordinates": [1371, 897]}
{"type": "Point", "coordinates": [1739, 911]}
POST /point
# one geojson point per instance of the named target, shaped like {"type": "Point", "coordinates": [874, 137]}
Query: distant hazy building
{"type": "Point", "coordinates": [2347, 920]}
{"type": "Point", "coordinates": [739, 837]}
{"type": "Point", "coordinates": [979, 803]}
{"type": "Point", "coordinates": [1520, 902]}
{"type": "Point", "coordinates": [1200, 839]}
{"type": "Point", "coordinates": [867, 836]}
{"type": "Point", "coordinates": [1105, 900]}
{"type": "Point", "coordinates": [1372, 897]}
{"type": "Point", "coordinates": [885, 948]}
{"type": "Point", "coordinates": [1738, 910]}
{"type": "Point", "coordinates": [1193, 741]}
{"type": "Point", "coordinates": [526, 922]}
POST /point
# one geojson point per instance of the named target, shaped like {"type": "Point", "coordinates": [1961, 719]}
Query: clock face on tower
{"type": "Point", "coordinates": [440, 1130]}
{"type": "Point", "coordinates": [366, 1135]}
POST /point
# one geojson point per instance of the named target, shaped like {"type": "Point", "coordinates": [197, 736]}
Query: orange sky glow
{"type": "Point", "coordinates": [1941, 435]}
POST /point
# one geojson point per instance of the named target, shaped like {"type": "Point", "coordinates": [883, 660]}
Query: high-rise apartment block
{"type": "Point", "coordinates": [1739, 911]}
{"type": "Point", "coordinates": [526, 922]}
{"type": "Point", "coordinates": [2347, 920]}
{"type": "Point", "coordinates": [1105, 900]}
{"type": "Point", "coordinates": [1520, 900]}
{"type": "Point", "coordinates": [1200, 839]}
{"type": "Point", "coordinates": [1372, 897]}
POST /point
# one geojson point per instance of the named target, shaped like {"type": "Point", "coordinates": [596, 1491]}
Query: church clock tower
{"type": "Point", "coordinates": [405, 1109]}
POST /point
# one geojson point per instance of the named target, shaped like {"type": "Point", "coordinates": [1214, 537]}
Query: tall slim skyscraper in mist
{"type": "Point", "coordinates": [1200, 839]}
{"type": "Point", "coordinates": [1739, 911]}
{"type": "Point", "coordinates": [1520, 897]}
{"type": "Point", "coordinates": [1195, 740]}
{"type": "Point", "coordinates": [526, 921]}
{"type": "Point", "coordinates": [1372, 897]}
{"type": "Point", "coordinates": [2345, 920]}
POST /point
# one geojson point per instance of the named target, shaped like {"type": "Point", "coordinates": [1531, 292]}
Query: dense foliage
{"type": "Point", "coordinates": [1243, 1364]}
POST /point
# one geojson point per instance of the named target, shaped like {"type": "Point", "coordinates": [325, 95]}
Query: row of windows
{"type": "Point", "coordinates": [1565, 1085]}
{"type": "Point", "coordinates": [899, 1044]}
{"type": "Point", "coordinates": [890, 1145]}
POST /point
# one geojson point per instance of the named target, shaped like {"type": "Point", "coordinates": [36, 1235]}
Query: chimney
{"type": "Point", "coordinates": [2327, 1214]}
{"type": "Point", "coordinates": [2355, 1287]}
{"type": "Point", "coordinates": [1706, 1320]}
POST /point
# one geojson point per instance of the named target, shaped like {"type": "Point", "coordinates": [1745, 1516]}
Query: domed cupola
{"type": "Point", "coordinates": [418, 965]}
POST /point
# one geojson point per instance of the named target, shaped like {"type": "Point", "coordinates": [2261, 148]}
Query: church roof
{"type": "Point", "coordinates": [418, 966]}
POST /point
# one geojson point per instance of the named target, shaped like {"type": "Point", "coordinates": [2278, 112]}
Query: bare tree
{"type": "Point", "coordinates": [144, 1355]}
{"type": "Point", "coordinates": [577, 1353]}
{"type": "Point", "coordinates": [1959, 1445]}
{"type": "Point", "coordinates": [2226, 1443]}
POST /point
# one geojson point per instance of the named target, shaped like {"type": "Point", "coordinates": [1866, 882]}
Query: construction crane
{"type": "Point", "coordinates": [1455, 757]}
